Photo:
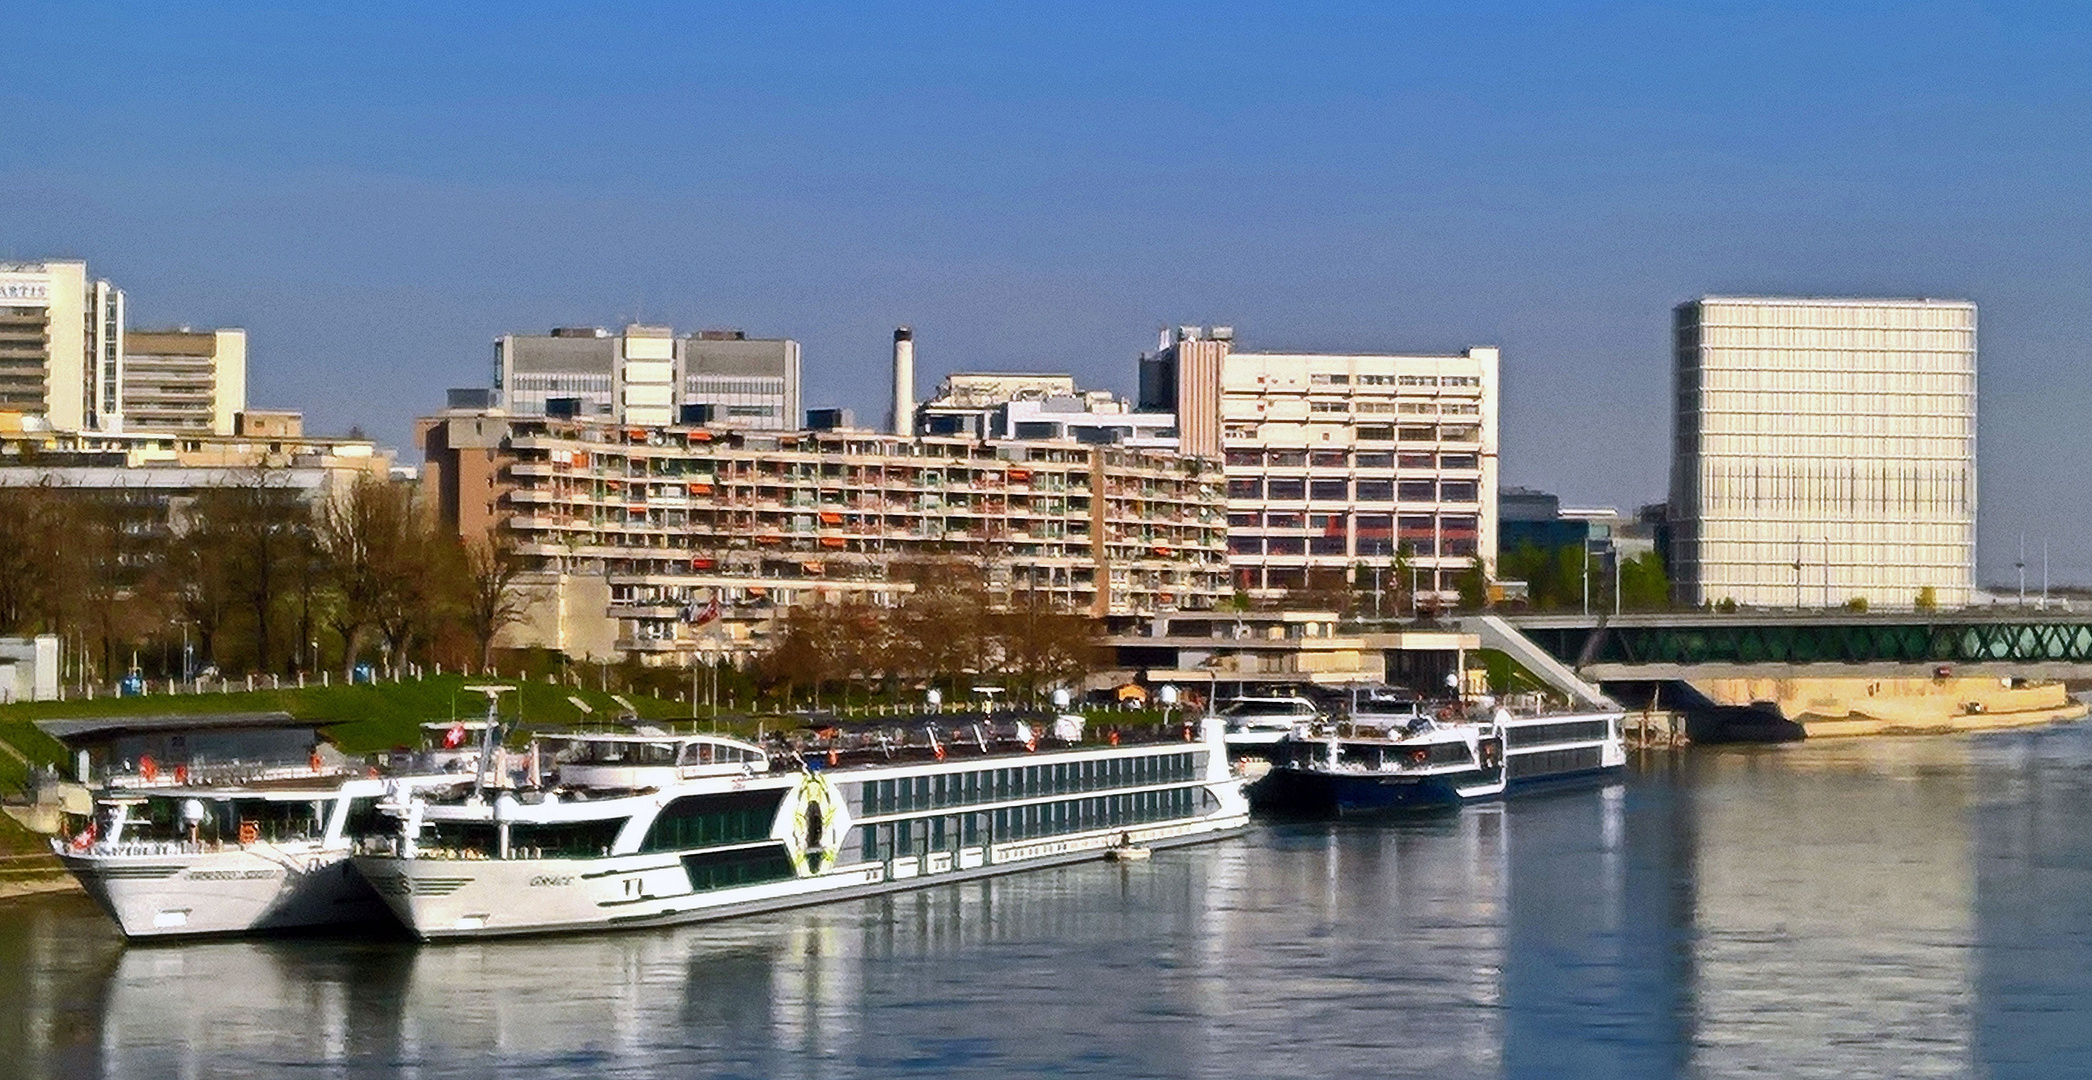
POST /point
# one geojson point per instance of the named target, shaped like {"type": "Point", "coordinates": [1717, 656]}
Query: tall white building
{"type": "Point", "coordinates": [61, 346]}
{"type": "Point", "coordinates": [1825, 451]}
{"type": "Point", "coordinates": [1334, 461]}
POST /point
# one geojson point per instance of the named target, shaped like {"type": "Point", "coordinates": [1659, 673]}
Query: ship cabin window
{"type": "Point", "coordinates": [727, 869]}
{"type": "Point", "coordinates": [925, 793]}
{"type": "Point", "coordinates": [563, 839]}
{"type": "Point", "coordinates": [459, 839]}
{"type": "Point", "coordinates": [1565, 732]}
{"type": "Point", "coordinates": [603, 752]}
{"type": "Point", "coordinates": [693, 821]}
{"type": "Point", "coordinates": [229, 820]}
{"type": "Point", "coordinates": [1553, 762]}
{"type": "Point", "coordinates": [363, 818]}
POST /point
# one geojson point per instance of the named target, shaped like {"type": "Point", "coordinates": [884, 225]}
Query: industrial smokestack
{"type": "Point", "coordinates": [902, 422]}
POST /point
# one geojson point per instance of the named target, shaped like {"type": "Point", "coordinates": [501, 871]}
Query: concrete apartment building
{"type": "Point", "coordinates": [628, 528]}
{"type": "Point", "coordinates": [1825, 450]}
{"type": "Point", "coordinates": [1333, 461]}
{"type": "Point", "coordinates": [184, 380]}
{"type": "Point", "coordinates": [648, 375]}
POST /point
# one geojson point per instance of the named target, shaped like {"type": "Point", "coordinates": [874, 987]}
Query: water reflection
{"type": "Point", "coordinates": [1896, 907]}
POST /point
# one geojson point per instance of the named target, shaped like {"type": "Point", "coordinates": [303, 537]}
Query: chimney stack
{"type": "Point", "coordinates": [902, 421]}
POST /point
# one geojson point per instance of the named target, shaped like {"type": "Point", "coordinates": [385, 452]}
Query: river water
{"type": "Point", "coordinates": [1888, 907]}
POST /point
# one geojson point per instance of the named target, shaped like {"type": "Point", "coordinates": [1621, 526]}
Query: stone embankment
{"type": "Point", "coordinates": [1834, 706]}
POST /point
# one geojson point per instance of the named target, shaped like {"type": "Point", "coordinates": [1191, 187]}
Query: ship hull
{"type": "Point", "coordinates": [443, 899]}
{"type": "Point", "coordinates": [225, 892]}
{"type": "Point", "coordinates": [1301, 792]}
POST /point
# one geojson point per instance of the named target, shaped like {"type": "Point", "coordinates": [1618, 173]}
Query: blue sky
{"type": "Point", "coordinates": [376, 191]}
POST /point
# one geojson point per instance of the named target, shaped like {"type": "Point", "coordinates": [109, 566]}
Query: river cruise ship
{"type": "Point", "coordinates": [1387, 755]}
{"type": "Point", "coordinates": [267, 853]}
{"type": "Point", "coordinates": [651, 829]}
{"type": "Point", "coordinates": [233, 848]}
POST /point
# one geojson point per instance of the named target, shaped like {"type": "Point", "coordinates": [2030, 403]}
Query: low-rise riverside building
{"type": "Point", "coordinates": [629, 532]}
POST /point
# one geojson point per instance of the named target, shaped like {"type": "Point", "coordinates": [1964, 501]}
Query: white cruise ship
{"type": "Point", "coordinates": [238, 848]}
{"type": "Point", "coordinates": [650, 829]}
{"type": "Point", "coordinates": [204, 859]}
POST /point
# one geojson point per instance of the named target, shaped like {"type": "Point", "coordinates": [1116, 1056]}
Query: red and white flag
{"type": "Point", "coordinates": [699, 616]}
{"type": "Point", "coordinates": [455, 737]}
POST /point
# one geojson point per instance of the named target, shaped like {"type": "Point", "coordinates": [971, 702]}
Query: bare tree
{"type": "Point", "coordinates": [198, 570]}
{"type": "Point", "coordinates": [35, 559]}
{"type": "Point", "coordinates": [261, 518]}
{"type": "Point", "coordinates": [359, 540]}
{"type": "Point", "coordinates": [1043, 643]}
{"type": "Point", "coordinates": [492, 598]}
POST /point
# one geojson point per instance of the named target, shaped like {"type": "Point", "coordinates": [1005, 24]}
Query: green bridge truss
{"type": "Point", "coordinates": [1812, 642]}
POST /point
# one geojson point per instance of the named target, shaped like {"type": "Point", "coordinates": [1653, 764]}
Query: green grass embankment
{"type": "Point", "coordinates": [1508, 676]}
{"type": "Point", "coordinates": [361, 719]}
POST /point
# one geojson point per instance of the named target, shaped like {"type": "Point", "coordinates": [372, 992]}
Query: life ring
{"type": "Point", "coordinates": [818, 823]}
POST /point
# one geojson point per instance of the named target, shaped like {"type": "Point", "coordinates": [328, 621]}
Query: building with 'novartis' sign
{"type": "Point", "coordinates": [1825, 452]}
{"type": "Point", "coordinates": [69, 364]}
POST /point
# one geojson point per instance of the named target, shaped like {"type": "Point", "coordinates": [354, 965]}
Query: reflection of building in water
{"type": "Point", "coordinates": [1369, 949]}
{"type": "Point", "coordinates": [1833, 909]}
{"type": "Point", "coordinates": [1601, 902]}
{"type": "Point", "coordinates": [2033, 904]}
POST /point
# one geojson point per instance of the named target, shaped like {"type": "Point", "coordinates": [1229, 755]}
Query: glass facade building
{"type": "Point", "coordinates": [1825, 451]}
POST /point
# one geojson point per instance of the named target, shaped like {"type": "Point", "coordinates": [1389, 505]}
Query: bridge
{"type": "Point", "coordinates": [1665, 646]}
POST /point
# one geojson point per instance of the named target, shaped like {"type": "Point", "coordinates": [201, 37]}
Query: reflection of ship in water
{"type": "Point", "coordinates": [229, 1006]}
{"type": "Point", "coordinates": [753, 996]}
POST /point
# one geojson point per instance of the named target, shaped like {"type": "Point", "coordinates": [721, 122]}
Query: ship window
{"type": "Point", "coordinates": [566, 839]}
{"type": "Point", "coordinates": [904, 838]}
{"type": "Point", "coordinates": [454, 839]}
{"type": "Point", "coordinates": [738, 817]}
{"type": "Point", "coordinates": [362, 818]}
{"type": "Point", "coordinates": [727, 869]}
{"type": "Point", "coordinates": [1570, 731]}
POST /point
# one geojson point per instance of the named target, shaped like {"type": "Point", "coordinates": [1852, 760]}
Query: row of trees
{"type": "Point", "coordinates": [248, 577]}
{"type": "Point", "coordinates": [951, 628]}
{"type": "Point", "coordinates": [1556, 579]}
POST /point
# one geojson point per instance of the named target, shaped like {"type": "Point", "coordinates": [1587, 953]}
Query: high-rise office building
{"type": "Point", "coordinates": [61, 345]}
{"type": "Point", "coordinates": [1825, 451]}
{"type": "Point", "coordinates": [1334, 462]}
{"type": "Point", "coordinates": [647, 375]}
{"type": "Point", "coordinates": [184, 380]}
